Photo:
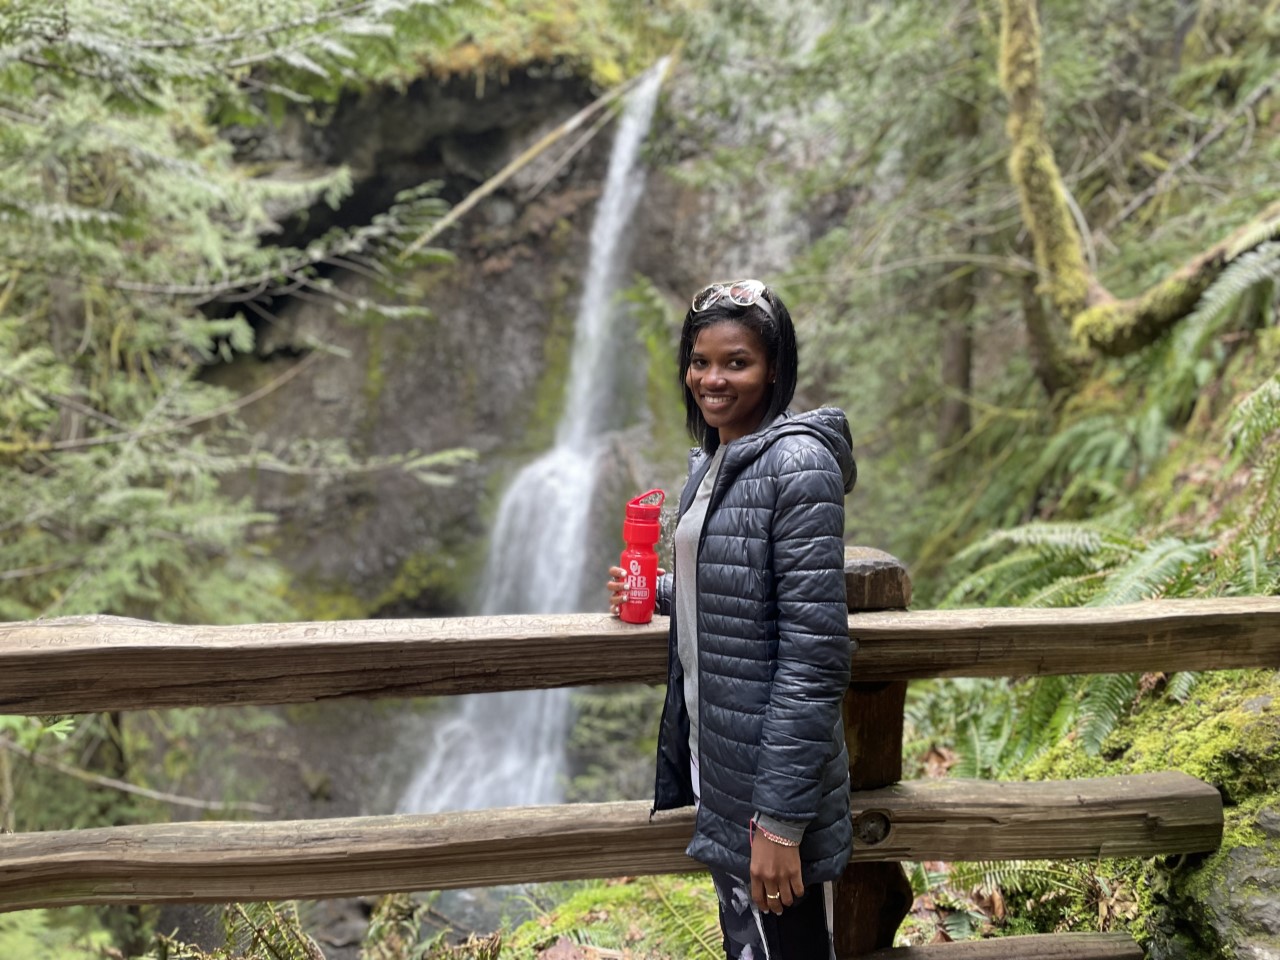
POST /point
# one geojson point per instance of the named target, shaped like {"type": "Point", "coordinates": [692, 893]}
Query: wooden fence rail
{"type": "Point", "coordinates": [925, 820]}
{"type": "Point", "coordinates": [85, 664]}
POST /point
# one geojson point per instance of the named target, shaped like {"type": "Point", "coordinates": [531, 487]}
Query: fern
{"type": "Point", "coordinates": [1255, 236]}
{"type": "Point", "coordinates": [992, 578]}
{"type": "Point", "coordinates": [1181, 684]}
{"type": "Point", "coordinates": [1062, 539]}
{"type": "Point", "coordinates": [269, 929]}
{"type": "Point", "coordinates": [1106, 699]}
{"type": "Point", "coordinates": [1030, 877]}
{"type": "Point", "coordinates": [1260, 265]}
{"type": "Point", "coordinates": [1150, 573]}
{"type": "Point", "coordinates": [1067, 591]}
{"type": "Point", "coordinates": [980, 741]}
{"type": "Point", "coordinates": [1255, 420]}
{"type": "Point", "coordinates": [1256, 570]}
{"type": "Point", "coordinates": [1043, 717]}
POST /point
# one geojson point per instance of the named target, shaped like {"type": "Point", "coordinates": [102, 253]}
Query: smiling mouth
{"type": "Point", "coordinates": [716, 401]}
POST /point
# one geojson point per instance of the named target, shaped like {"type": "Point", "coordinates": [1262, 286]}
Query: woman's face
{"type": "Point", "coordinates": [729, 375]}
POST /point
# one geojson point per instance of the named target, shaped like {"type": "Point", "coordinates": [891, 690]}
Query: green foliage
{"type": "Point", "coordinates": [395, 930]}
{"type": "Point", "coordinates": [49, 935]}
{"type": "Point", "coordinates": [132, 257]}
{"type": "Point", "coordinates": [1224, 733]}
{"type": "Point", "coordinates": [613, 742]}
{"type": "Point", "coordinates": [252, 931]}
{"type": "Point", "coordinates": [651, 916]}
{"type": "Point", "coordinates": [27, 732]}
{"type": "Point", "coordinates": [880, 127]}
{"type": "Point", "coordinates": [603, 40]}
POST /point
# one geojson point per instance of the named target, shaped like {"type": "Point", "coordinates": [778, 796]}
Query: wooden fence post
{"type": "Point", "coordinates": [872, 899]}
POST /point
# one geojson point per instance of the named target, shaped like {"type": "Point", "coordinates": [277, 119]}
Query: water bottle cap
{"type": "Point", "coordinates": [646, 512]}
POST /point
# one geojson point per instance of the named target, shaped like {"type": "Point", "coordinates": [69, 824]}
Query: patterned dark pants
{"type": "Point", "coordinates": [801, 932]}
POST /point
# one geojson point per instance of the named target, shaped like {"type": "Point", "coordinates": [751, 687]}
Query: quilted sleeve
{"type": "Point", "coordinates": [664, 591]}
{"type": "Point", "coordinates": [813, 658]}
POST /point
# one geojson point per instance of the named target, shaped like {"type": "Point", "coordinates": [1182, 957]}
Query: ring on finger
{"type": "Point", "coordinates": [773, 896]}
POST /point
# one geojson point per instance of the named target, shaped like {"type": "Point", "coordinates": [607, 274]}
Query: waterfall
{"type": "Point", "coordinates": [507, 749]}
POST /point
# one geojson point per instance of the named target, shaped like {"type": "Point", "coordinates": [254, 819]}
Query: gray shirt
{"type": "Point", "coordinates": [688, 536]}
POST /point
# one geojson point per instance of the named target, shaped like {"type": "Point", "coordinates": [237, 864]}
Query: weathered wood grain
{"type": "Point", "coordinates": [84, 664]}
{"type": "Point", "coordinates": [927, 820]}
{"type": "Point", "coordinates": [949, 819]}
{"type": "Point", "coordinates": [872, 898]}
{"type": "Point", "coordinates": [1223, 633]}
{"type": "Point", "coordinates": [1049, 946]}
{"type": "Point", "coordinates": [875, 580]}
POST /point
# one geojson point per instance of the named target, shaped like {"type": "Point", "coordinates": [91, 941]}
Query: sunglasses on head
{"type": "Point", "coordinates": [741, 293]}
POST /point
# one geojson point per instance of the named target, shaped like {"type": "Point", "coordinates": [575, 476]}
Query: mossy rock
{"type": "Point", "coordinates": [1226, 904]}
{"type": "Point", "coordinates": [1225, 733]}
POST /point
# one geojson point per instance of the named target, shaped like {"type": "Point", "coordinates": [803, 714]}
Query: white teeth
{"type": "Point", "coordinates": [716, 401]}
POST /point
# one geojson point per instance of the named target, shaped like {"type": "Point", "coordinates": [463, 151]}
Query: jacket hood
{"type": "Point", "coordinates": [827, 424]}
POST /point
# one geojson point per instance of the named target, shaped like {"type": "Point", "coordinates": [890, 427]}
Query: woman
{"type": "Point", "coordinates": [759, 642]}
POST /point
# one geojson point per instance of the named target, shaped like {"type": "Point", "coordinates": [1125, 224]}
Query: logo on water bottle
{"type": "Point", "coordinates": [637, 583]}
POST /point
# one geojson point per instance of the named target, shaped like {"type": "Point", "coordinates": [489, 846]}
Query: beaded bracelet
{"type": "Point", "coordinates": [769, 835]}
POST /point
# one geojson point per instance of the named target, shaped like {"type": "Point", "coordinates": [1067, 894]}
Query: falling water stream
{"type": "Point", "coordinates": [508, 749]}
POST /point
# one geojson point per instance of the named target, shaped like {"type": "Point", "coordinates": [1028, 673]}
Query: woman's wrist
{"type": "Point", "coordinates": [774, 832]}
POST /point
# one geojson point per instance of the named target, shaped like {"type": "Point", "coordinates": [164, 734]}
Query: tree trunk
{"type": "Point", "coordinates": [1099, 321]}
{"type": "Point", "coordinates": [1048, 349]}
{"type": "Point", "coordinates": [1123, 326]}
{"type": "Point", "coordinates": [1033, 169]}
{"type": "Point", "coordinates": [954, 420]}
{"type": "Point", "coordinates": [959, 295]}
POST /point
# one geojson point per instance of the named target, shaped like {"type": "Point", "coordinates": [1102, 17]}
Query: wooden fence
{"type": "Point", "coordinates": [83, 664]}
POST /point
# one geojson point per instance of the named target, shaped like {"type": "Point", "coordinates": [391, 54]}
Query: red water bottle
{"type": "Point", "coordinates": [639, 561]}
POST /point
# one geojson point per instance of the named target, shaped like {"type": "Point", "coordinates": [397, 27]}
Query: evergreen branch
{"type": "Point", "coordinates": [40, 63]}
{"type": "Point", "coordinates": [191, 421]}
{"type": "Point", "coordinates": [1165, 180]}
{"type": "Point", "coordinates": [124, 787]}
{"type": "Point", "coordinates": [20, 573]}
{"type": "Point", "coordinates": [281, 278]}
{"type": "Point", "coordinates": [221, 39]}
{"type": "Point", "coordinates": [67, 402]}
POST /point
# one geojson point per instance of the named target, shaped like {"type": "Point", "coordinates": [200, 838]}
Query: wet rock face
{"type": "Point", "coordinates": [457, 132]}
{"type": "Point", "coordinates": [485, 371]}
{"type": "Point", "coordinates": [1232, 912]}
{"type": "Point", "coordinates": [1268, 821]}
{"type": "Point", "coordinates": [1244, 909]}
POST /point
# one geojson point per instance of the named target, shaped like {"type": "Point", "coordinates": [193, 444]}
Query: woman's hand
{"type": "Point", "coordinates": [775, 874]}
{"type": "Point", "coordinates": [617, 587]}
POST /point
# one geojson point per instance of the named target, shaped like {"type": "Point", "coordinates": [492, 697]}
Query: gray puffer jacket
{"type": "Point", "coordinates": [773, 648]}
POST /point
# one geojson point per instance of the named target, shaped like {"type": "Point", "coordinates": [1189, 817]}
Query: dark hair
{"type": "Point", "coordinates": [778, 339]}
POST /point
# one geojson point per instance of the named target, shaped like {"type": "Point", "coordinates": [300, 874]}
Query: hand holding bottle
{"type": "Point", "coordinates": [617, 587]}
{"type": "Point", "coordinates": [637, 569]}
